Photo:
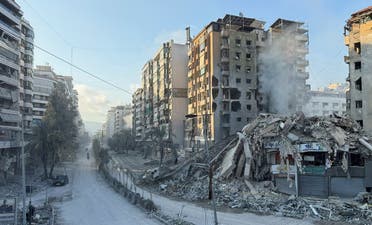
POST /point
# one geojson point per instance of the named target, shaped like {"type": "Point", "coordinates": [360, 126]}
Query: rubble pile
{"type": "Point", "coordinates": [248, 158]}
{"type": "Point", "coordinates": [242, 171]}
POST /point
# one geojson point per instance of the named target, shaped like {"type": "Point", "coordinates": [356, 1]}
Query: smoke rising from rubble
{"type": "Point", "coordinates": [277, 82]}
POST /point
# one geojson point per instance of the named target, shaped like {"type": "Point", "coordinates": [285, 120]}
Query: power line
{"type": "Point", "coordinates": [49, 25]}
{"type": "Point", "coordinates": [83, 70]}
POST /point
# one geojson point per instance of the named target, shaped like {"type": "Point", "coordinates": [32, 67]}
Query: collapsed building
{"type": "Point", "coordinates": [316, 156]}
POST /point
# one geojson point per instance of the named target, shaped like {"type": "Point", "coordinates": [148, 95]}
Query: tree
{"type": "Point", "coordinates": [123, 140]}
{"type": "Point", "coordinates": [55, 138]}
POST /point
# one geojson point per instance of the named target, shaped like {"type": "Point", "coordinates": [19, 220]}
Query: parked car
{"type": "Point", "coordinates": [60, 180]}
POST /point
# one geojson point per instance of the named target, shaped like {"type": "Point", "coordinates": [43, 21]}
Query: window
{"type": "Point", "coordinates": [237, 55]}
{"type": "Point", "coordinates": [360, 122]}
{"type": "Point", "coordinates": [248, 42]}
{"type": "Point", "coordinates": [358, 84]}
{"type": "Point", "coordinates": [248, 95]}
{"type": "Point", "coordinates": [358, 104]}
{"type": "Point", "coordinates": [334, 105]}
{"type": "Point", "coordinates": [237, 42]}
{"type": "Point", "coordinates": [202, 71]}
{"type": "Point", "coordinates": [237, 68]}
{"type": "Point", "coordinates": [238, 80]}
{"type": "Point", "coordinates": [248, 119]}
{"type": "Point", "coordinates": [239, 119]}
{"type": "Point", "coordinates": [357, 47]}
{"type": "Point", "coordinates": [248, 81]}
{"type": "Point", "coordinates": [325, 104]}
{"type": "Point", "coordinates": [249, 107]}
{"type": "Point", "coordinates": [315, 104]}
{"type": "Point", "coordinates": [248, 69]}
{"type": "Point", "coordinates": [248, 56]}
{"type": "Point", "coordinates": [358, 65]}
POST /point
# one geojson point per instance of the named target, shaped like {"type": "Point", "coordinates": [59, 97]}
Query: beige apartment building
{"type": "Point", "coordinates": [358, 39]}
{"type": "Point", "coordinates": [164, 93]}
{"type": "Point", "coordinates": [228, 77]}
{"type": "Point", "coordinates": [138, 114]}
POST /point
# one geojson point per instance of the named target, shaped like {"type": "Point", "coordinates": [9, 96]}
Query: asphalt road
{"type": "Point", "coordinates": [95, 203]}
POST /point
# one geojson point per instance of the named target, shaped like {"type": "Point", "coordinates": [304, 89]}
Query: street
{"type": "Point", "coordinates": [95, 203]}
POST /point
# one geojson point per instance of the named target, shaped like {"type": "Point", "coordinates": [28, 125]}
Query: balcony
{"type": "Point", "coordinates": [225, 33]}
{"type": "Point", "coordinates": [302, 37]}
{"type": "Point", "coordinates": [10, 30]}
{"type": "Point", "coordinates": [302, 62]}
{"type": "Point", "coordinates": [347, 59]}
{"type": "Point", "coordinates": [302, 50]}
{"type": "Point", "coordinates": [29, 52]}
{"type": "Point", "coordinates": [225, 59]}
{"type": "Point", "coordinates": [224, 46]}
{"type": "Point", "coordinates": [347, 40]}
{"type": "Point", "coordinates": [5, 94]}
{"type": "Point", "coordinates": [9, 144]}
{"type": "Point", "coordinates": [9, 80]}
{"type": "Point", "coordinates": [225, 72]}
{"type": "Point", "coordinates": [8, 62]}
{"type": "Point", "coordinates": [10, 14]}
{"type": "Point", "coordinates": [304, 75]}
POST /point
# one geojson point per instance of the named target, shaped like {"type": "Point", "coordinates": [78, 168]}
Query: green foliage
{"type": "Point", "coordinates": [55, 138]}
{"type": "Point", "coordinates": [122, 140]}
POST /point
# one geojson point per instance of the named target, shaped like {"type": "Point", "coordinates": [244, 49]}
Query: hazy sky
{"type": "Point", "coordinates": [114, 38]}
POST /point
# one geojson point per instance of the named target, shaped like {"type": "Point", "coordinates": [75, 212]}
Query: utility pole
{"type": "Point", "coordinates": [23, 174]}
{"type": "Point", "coordinates": [206, 146]}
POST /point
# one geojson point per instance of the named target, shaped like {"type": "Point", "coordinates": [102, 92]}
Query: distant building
{"type": "Point", "coordinates": [358, 39]}
{"type": "Point", "coordinates": [325, 103]}
{"type": "Point", "coordinates": [118, 118]}
{"type": "Point", "coordinates": [138, 114]}
{"type": "Point", "coordinates": [44, 82]}
{"type": "Point", "coordinates": [164, 93]}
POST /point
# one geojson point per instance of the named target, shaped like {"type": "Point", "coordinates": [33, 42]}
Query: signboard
{"type": "Point", "coordinates": [311, 147]}
{"type": "Point", "coordinates": [277, 169]}
{"type": "Point", "coordinates": [272, 144]}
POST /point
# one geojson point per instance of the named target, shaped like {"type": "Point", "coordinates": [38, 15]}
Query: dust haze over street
{"type": "Point", "coordinates": [95, 203]}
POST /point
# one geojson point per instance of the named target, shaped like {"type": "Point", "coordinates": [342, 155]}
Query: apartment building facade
{"type": "Point", "coordinates": [232, 64]}
{"type": "Point", "coordinates": [164, 94]}
{"type": "Point", "coordinates": [358, 39]}
{"type": "Point", "coordinates": [138, 114]}
{"type": "Point", "coordinates": [223, 75]}
{"type": "Point", "coordinates": [45, 80]}
{"type": "Point", "coordinates": [118, 118]}
{"type": "Point", "coordinates": [283, 74]}
{"type": "Point", "coordinates": [26, 76]}
{"type": "Point", "coordinates": [10, 39]}
{"type": "Point", "coordinates": [325, 103]}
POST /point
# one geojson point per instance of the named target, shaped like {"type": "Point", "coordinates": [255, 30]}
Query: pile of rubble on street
{"type": "Point", "coordinates": [276, 158]}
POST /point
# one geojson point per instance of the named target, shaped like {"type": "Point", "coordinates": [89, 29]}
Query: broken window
{"type": "Point", "coordinates": [225, 80]}
{"type": "Point", "coordinates": [214, 81]}
{"type": "Point", "coordinates": [248, 81]}
{"type": "Point", "coordinates": [225, 106]}
{"type": "Point", "coordinates": [248, 119]}
{"type": "Point", "coordinates": [248, 69]}
{"type": "Point", "coordinates": [313, 159]}
{"type": "Point", "coordinates": [235, 106]}
{"type": "Point", "coordinates": [237, 55]}
{"type": "Point", "coordinates": [248, 42]}
{"type": "Point", "coordinates": [225, 94]}
{"type": "Point", "coordinates": [358, 84]}
{"type": "Point", "coordinates": [315, 104]}
{"type": "Point", "coordinates": [360, 122]}
{"type": "Point", "coordinates": [358, 65]}
{"type": "Point", "coordinates": [248, 56]}
{"type": "Point", "coordinates": [358, 104]}
{"type": "Point", "coordinates": [237, 42]}
{"type": "Point", "coordinates": [356, 160]}
{"type": "Point", "coordinates": [325, 104]}
{"type": "Point", "coordinates": [248, 95]}
{"type": "Point", "coordinates": [238, 80]}
{"type": "Point", "coordinates": [234, 93]}
{"type": "Point", "coordinates": [239, 119]}
{"type": "Point", "coordinates": [214, 107]}
{"type": "Point", "coordinates": [334, 105]}
{"type": "Point", "coordinates": [226, 119]}
{"type": "Point", "coordinates": [237, 68]}
{"type": "Point", "coordinates": [214, 93]}
{"type": "Point", "coordinates": [249, 107]}
{"type": "Point", "coordinates": [357, 47]}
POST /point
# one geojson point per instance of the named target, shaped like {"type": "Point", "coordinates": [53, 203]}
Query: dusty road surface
{"type": "Point", "coordinates": [95, 203]}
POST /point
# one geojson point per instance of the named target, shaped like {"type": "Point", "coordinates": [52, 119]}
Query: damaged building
{"type": "Point", "coordinates": [358, 39]}
{"type": "Point", "coordinates": [315, 156]}
{"type": "Point", "coordinates": [236, 70]}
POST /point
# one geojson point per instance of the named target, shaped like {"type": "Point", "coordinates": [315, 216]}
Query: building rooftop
{"type": "Point", "coordinates": [362, 11]}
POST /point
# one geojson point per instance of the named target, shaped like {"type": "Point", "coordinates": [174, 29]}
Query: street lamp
{"type": "Point", "coordinates": [206, 147]}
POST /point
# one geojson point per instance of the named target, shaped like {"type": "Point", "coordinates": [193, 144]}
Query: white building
{"type": "Point", "coordinates": [118, 118]}
{"type": "Point", "coordinates": [325, 103]}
